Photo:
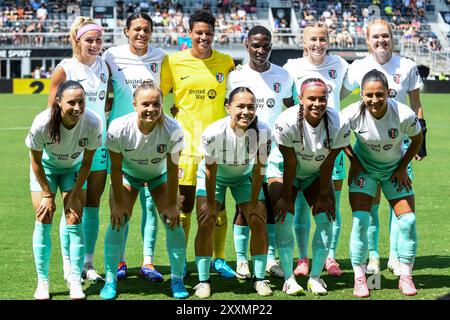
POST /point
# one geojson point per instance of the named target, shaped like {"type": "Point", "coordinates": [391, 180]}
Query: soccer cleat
{"type": "Point", "coordinates": [242, 270]}
{"type": "Point", "coordinates": [203, 290]}
{"type": "Point", "coordinates": [373, 267]}
{"type": "Point", "coordinates": [302, 268]}
{"type": "Point", "coordinates": [317, 287]}
{"type": "Point", "coordinates": [178, 289]}
{"type": "Point", "coordinates": [333, 267]}
{"type": "Point", "coordinates": [406, 286]}
{"type": "Point", "coordinates": [292, 288]}
{"type": "Point", "coordinates": [90, 274]}
{"type": "Point", "coordinates": [360, 289]}
{"type": "Point", "coordinates": [109, 291]}
{"type": "Point", "coordinates": [274, 269]}
{"type": "Point", "coordinates": [262, 288]}
{"type": "Point", "coordinates": [222, 268]}
{"type": "Point", "coordinates": [67, 272]}
{"type": "Point", "coordinates": [122, 270]}
{"type": "Point", "coordinates": [76, 291]}
{"type": "Point", "coordinates": [394, 266]}
{"type": "Point", "coordinates": [42, 290]}
{"type": "Point", "coordinates": [148, 271]}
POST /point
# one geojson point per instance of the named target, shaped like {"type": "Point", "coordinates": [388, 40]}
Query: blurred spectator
{"type": "Point", "coordinates": [36, 4]}
{"type": "Point", "coordinates": [37, 73]}
{"type": "Point", "coordinates": [42, 12]}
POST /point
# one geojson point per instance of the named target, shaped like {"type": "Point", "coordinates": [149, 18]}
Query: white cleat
{"type": "Point", "coordinates": [42, 290]}
{"type": "Point", "coordinates": [203, 290]}
{"type": "Point", "coordinates": [373, 267]}
{"type": "Point", "coordinates": [317, 287]}
{"type": "Point", "coordinates": [76, 291]}
{"type": "Point", "coordinates": [292, 288]}
{"type": "Point", "coordinates": [89, 273]}
{"type": "Point", "coordinates": [394, 266]}
{"type": "Point", "coordinates": [242, 270]}
{"type": "Point", "coordinates": [67, 273]}
{"type": "Point", "coordinates": [262, 288]}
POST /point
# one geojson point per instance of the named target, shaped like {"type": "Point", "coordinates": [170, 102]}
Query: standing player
{"type": "Point", "coordinates": [378, 159]}
{"type": "Point", "coordinates": [235, 150]}
{"type": "Point", "coordinates": [62, 142]}
{"type": "Point", "coordinates": [272, 87]}
{"type": "Point", "coordinates": [309, 136]}
{"type": "Point", "coordinates": [332, 69]}
{"type": "Point", "coordinates": [144, 147]}
{"type": "Point", "coordinates": [131, 64]}
{"type": "Point", "coordinates": [88, 68]}
{"type": "Point", "coordinates": [404, 80]}
{"type": "Point", "coordinates": [198, 78]}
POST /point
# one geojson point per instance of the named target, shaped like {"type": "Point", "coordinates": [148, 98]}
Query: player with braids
{"type": "Point", "coordinates": [309, 137]}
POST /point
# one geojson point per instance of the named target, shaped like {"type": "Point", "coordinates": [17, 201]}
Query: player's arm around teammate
{"type": "Point", "coordinates": [62, 142]}
{"type": "Point", "coordinates": [379, 158]}
{"type": "Point", "coordinates": [310, 136]}
{"type": "Point", "coordinates": [235, 150]}
{"type": "Point", "coordinates": [144, 148]}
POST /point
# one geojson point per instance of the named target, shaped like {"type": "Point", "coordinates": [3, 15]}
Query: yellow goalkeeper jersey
{"type": "Point", "coordinates": [199, 87]}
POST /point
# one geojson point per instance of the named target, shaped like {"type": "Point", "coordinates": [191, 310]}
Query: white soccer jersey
{"type": "Point", "coordinates": [128, 71]}
{"type": "Point", "coordinates": [401, 73]}
{"type": "Point", "coordinates": [235, 155]}
{"type": "Point", "coordinates": [64, 156]}
{"type": "Point", "coordinates": [94, 79]}
{"type": "Point", "coordinates": [332, 71]}
{"type": "Point", "coordinates": [270, 88]}
{"type": "Point", "coordinates": [144, 156]}
{"type": "Point", "coordinates": [379, 142]}
{"type": "Point", "coordinates": [286, 133]}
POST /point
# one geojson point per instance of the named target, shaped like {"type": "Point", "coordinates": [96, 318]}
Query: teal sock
{"type": "Point", "coordinates": [113, 248]}
{"type": "Point", "coordinates": [203, 263]}
{"type": "Point", "coordinates": [358, 237]}
{"type": "Point", "coordinates": [271, 236]}
{"type": "Point", "coordinates": [407, 240]}
{"type": "Point", "coordinates": [42, 246]}
{"type": "Point", "coordinates": [241, 239]}
{"type": "Point", "coordinates": [393, 235]}
{"type": "Point", "coordinates": [64, 236]}
{"type": "Point", "coordinates": [321, 243]}
{"type": "Point", "coordinates": [124, 244]}
{"type": "Point", "coordinates": [302, 225]}
{"type": "Point", "coordinates": [373, 231]}
{"type": "Point", "coordinates": [285, 244]}
{"type": "Point", "coordinates": [336, 226]}
{"type": "Point", "coordinates": [259, 265]}
{"type": "Point", "coordinates": [77, 250]}
{"type": "Point", "coordinates": [91, 226]}
{"type": "Point", "coordinates": [176, 249]}
{"type": "Point", "coordinates": [149, 222]}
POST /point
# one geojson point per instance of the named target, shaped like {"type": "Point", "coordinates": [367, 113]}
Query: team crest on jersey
{"type": "Point", "coordinates": [393, 133]}
{"type": "Point", "coordinates": [360, 182]}
{"type": "Point", "coordinates": [277, 87]}
{"type": "Point", "coordinates": [332, 73]}
{"type": "Point", "coordinates": [328, 143]}
{"type": "Point", "coordinates": [83, 142]}
{"type": "Point", "coordinates": [396, 78]}
{"type": "Point", "coordinates": [154, 67]}
{"type": "Point", "coordinates": [220, 77]}
{"type": "Point", "coordinates": [102, 77]}
{"type": "Point", "coordinates": [270, 103]}
{"type": "Point", "coordinates": [161, 148]}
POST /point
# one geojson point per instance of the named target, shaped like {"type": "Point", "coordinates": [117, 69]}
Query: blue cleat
{"type": "Point", "coordinates": [178, 289]}
{"type": "Point", "coordinates": [109, 291]}
{"type": "Point", "coordinates": [222, 268]}
{"type": "Point", "coordinates": [122, 270]}
{"type": "Point", "coordinates": [148, 271]}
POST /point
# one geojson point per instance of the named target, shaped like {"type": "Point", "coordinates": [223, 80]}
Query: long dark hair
{"type": "Point", "coordinates": [55, 111]}
{"type": "Point", "coordinates": [300, 116]}
{"type": "Point", "coordinates": [372, 75]}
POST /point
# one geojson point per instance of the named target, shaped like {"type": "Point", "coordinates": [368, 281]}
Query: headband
{"type": "Point", "coordinates": [87, 28]}
{"type": "Point", "coordinates": [312, 83]}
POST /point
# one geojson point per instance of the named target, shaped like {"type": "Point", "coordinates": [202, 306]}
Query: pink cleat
{"type": "Point", "coordinates": [333, 267]}
{"type": "Point", "coordinates": [360, 290]}
{"type": "Point", "coordinates": [406, 286]}
{"type": "Point", "coordinates": [302, 268]}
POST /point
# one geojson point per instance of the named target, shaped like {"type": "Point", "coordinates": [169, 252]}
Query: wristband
{"type": "Point", "coordinates": [423, 148]}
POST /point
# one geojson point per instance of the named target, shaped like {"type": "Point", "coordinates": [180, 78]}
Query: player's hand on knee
{"type": "Point", "coordinates": [283, 206]}
{"type": "Point", "coordinates": [171, 217]}
{"type": "Point", "coordinates": [47, 207]}
{"type": "Point", "coordinates": [205, 213]}
{"type": "Point", "coordinates": [326, 204]}
{"type": "Point", "coordinates": [401, 179]}
{"type": "Point", "coordinates": [74, 207]}
{"type": "Point", "coordinates": [119, 215]}
{"type": "Point", "coordinates": [259, 210]}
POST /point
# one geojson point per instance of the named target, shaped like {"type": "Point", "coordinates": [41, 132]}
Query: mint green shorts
{"type": "Point", "coordinates": [100, 159]}
{"type": "Point", "coordinates": [137, 183]}
{"type": "Point", "coordinates": [64, 181]}
{"type": "Point", "coordinates": [339, 167]}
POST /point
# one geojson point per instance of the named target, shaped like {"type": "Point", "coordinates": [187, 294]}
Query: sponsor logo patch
{"type": "Point", "coordinates": [320, 157]}
{"type": "Point", "coordinates": [387, 147]}
{"type": "Point", "coordinates": [270, 103]}
{"type": "Point", "coordinates": [212, 94]}
{"type": "Point", "coordinates": [156, 160]}
{"type": "Point", "coordinates": [277, 87]}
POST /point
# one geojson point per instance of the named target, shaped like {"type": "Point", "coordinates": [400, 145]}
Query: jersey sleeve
{"type": "Point", "coordinates": [176, 140]}
{"type": "Point", "coordinates": [166, 76]}
{"type": "Point", "coordinates": [281, 132]}
{"type": "Point", "coordinates": [207, 144]}
{"type": "Point", "coordinates": [95, 140]}
{"type": "Point", "coordinates": [35, 139]}
{"type": "Point", "coordinates": [230, 84]}
{"type": "Point", "coordinates": [343, 136]}
{"type": "Point", "coordinates": [112, 138]}
{"type": "Point", "coordinates": [291, 87]}
{"type": "Point", "coordinates": [411, 125]}
{"type": "Point", "coordinates": [351, 76]}
{"type": "Point", "coordinates": [415, 81]}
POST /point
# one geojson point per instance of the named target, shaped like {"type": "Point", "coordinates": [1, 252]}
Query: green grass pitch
{"type": "Point", "coordinates": [18, 279]}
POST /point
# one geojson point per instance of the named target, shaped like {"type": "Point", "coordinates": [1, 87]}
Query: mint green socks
{"type": "Point", "coordinates": [259, 265]}
{"type": "Point", "coordinates": [336, 229]}
{"type": "Point", "coordinates": [373, 231]}
{"type": "Point", "coordinates": [77, 250]}
{"type": "Point", "coordinates": [407, 239]}
{"type": "Point", "coordinates": [149, 222]}
{"type": "Point", "coordinates": [42, 246]}
{"type": "Point", "coordinates": [358, 237]}
{"type": "Point", "coordinates": [114, 241]}
{"type": "Point", "coordinates": [393, 235]}
{"type": "Point", "coordinates": [91, 227]}
{"type": "Point", "coordinates": [302, 224]}
{"type": "Point", "coordinates": [64, 237]}
{"type": "Point", "coordinates": [203, 263]}
{"type": "Point", "coordinates": [271, 241]}
{"type": "Point", "coordinates": [320, 243]}
{"type": "Point", "coordinates": [176, 249]}
{"type": "Point", "coordinates": [285, 244]}
{"type": "Point", "coordinates": [241, 239]}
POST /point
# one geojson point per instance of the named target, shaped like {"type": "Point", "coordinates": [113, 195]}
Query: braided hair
{"type": "Point", "coordinates": [300, 115]}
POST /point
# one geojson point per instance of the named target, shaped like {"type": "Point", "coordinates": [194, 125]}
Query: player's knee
{"type": "Point", "coordinates": [72, 219]}
{"type": "Point", "coordinates": [187, 204]}
{"type": "Point", "coordinates": [257, 223]}
{"type": "Point", "coordinates": [206, 228]}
